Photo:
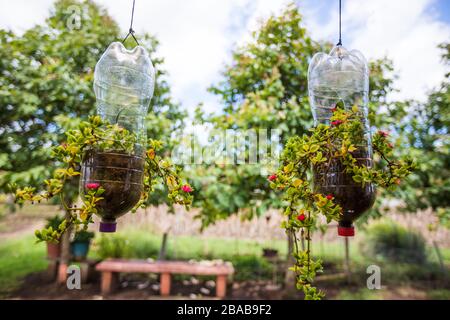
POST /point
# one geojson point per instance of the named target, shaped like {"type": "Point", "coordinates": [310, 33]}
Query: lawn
{"type": "Point", "coordinates": [19, 257]}
{"type": "Point", "coordinates": [22, 256]}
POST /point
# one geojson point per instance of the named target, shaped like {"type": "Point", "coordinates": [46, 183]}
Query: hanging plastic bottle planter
{"type": "Point", "coordinates": [123, 84]}
{"type": "Point", "coordinates": [341, 79]}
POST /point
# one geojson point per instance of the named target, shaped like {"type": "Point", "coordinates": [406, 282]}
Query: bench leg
{"type": "Point", "coordinates": [221, 286]}
{"type": "Point", "coordinates": [62, 273]}
{"type": "Point", "coordinates": [109, 282]}
{"type": "Point", "coordinates": [165, 284]}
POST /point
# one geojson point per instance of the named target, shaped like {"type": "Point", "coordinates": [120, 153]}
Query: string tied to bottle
{"type": "Point", "coordinates": [340, 24]}
{"type": "Point", "coordinates": [130, 30]}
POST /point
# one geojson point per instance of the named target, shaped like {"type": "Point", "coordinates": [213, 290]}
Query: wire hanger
{"type": "Point", "coordinates": [131, 31]}
{"type": "Point", "coordinates": [340, 24]}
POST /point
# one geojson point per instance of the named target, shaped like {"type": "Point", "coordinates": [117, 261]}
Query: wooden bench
{"type": "Point", "coordinates": [111, 268]}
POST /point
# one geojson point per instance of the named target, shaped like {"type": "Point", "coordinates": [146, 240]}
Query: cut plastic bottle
{"type": "Point", "coordinates": [123, 84]}
{"type": "Point", "coordinates": [342, 77]}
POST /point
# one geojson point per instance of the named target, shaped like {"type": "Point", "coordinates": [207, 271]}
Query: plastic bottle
{"type": "Point", "coordinates": [123, 85]}
{"type": "Point", "coordinates": [342, 76]}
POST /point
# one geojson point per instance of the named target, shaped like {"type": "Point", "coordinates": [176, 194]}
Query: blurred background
{"type": "Point", "coordinates": [229, 65]}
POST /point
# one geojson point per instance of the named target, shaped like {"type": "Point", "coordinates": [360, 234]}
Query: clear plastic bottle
{"type": "Point", "coordinates": [123, 84]}
{"type": "Point", "coordinates": [342, 76]}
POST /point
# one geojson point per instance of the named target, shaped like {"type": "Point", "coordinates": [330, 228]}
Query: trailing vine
{"type": "Point", "coordinates": [325, 145]}
{"type": "Point", "coordinates": [96, 134]}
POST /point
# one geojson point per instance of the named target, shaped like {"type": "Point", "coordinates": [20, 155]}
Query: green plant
{"type": "Point", "coordinates": [98, 135]}
{"type": "Point", "coordinates": [83, 236]}
{"type": "Point", "coordinates": [115, 246]}
{"type": "Point", "coordinates": [323, 146]}
{"type": "Point", "coordinates": [395, 243]}
{"type": "Point", "coordinates": [252, 267]}
{"type": "Point", "coordinates": [54, 222]}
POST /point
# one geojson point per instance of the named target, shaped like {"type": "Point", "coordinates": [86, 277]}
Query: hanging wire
{"type": "Point", "coordinates": [131, 31]}
{"type": "Point", "coordinates": [340, 24]}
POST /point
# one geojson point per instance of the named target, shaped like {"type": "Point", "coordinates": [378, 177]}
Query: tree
{"type": "Point", "coordinates": [426, 135]}
{"type": "Point", "coordinates": [46, 88]}
{"type": "Point", "coordinates": [46, 85]}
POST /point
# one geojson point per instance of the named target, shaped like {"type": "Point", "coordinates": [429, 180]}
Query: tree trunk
{"type": "Point", "coordinates": [289, 279]}
{"type": "Point", "coordinates": [11, 206]}
{"type": "Point", "coordinates": [163, 249]}
{"type": "Point", "coordinates": [65, 254]}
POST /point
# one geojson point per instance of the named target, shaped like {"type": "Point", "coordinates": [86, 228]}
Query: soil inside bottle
{"type": "Point", "coordinates": [353, 197]}
{"type": "Point", "coordinates": [121, 176]}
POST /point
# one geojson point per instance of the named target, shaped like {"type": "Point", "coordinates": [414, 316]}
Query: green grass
{"type": "Point", "coordinates": [141, 244]}
{"type": "Point", "coordinates": [245, 255]}
{"type": "Point", "coordinates": [439, 294]}
{"type": "Point", "coordinates": [361, 294]}
{"type": "Point", "coordinates": [22, 256]}
{"type": "Point", "coordinates": [18, 258]}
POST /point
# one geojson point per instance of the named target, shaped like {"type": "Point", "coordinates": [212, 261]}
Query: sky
{"type": "Point", "coordinates": [198, 36]}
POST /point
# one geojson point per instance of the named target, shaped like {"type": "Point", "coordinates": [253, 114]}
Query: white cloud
{"type": "Point", "coordinates": [406, 31]}
{"type": "Point", "coordinates": [20, 15]}
{"type": "Point", "coordinates": [197, 36]}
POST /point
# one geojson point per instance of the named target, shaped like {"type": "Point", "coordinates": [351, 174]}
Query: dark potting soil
{"type": "Point", "coordinates": [353, 197]}
{"type": "Point", "coordinates": [120, 175]}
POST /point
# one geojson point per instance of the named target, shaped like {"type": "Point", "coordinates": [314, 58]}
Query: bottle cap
{"type": "Point", "coordinates": [346, 231]}
{"type": "Point", "coordinates": [107, 226]}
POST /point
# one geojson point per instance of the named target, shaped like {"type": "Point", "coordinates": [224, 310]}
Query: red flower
{"type": "Point", "coordinates": [333, 109]}
{"type": "Point", "coordinates": [186, 188]}
{"type": "Point", "coordinates": [272, 177]}
{"type": "Point", "coordinates": [329, 197]}
{"type": "Point", "coordinates": [93, 185]}
{"type": "Point", "coordinates": [301, 217]}
{"type": "Point", "coordinates": [382, 133]}
{"type": "Point", "coordinates": [336, 122]}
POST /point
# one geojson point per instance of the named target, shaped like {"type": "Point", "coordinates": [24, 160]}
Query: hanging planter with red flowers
{"type": "Point", "coordinates": [110, 153]}
{"type": "Point", "coordinates": [330, 173]}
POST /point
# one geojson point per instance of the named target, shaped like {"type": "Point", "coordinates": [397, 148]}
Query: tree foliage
{"type": "Point", "coordinates": [423, 130]}
{"type": "Point", "coordinates": [265, 87]}
{"type": "Point", "coordinates": [46, 77]}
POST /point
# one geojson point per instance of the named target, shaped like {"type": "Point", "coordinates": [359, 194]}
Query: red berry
{"type": "Point", "coordinates": [272, 177]}
{"type": "Point", "coordinates": [329, 197]}
{"type": "Point", "coordinates": [336, 122]}
{"type": "Point", "coordinates": [382, 133]}
{"type": "Point", "coordinates": [93, 185]}
{"type": "Point", "coordinates": [186, 188]}
{"type": "Point", "coordinates": [301, 217]}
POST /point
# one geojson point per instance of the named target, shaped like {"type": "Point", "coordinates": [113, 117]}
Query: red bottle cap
{"type": "Point", "coordinates": [346, 231]}
{"type": "Point", "coordinates": [107, 227]}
